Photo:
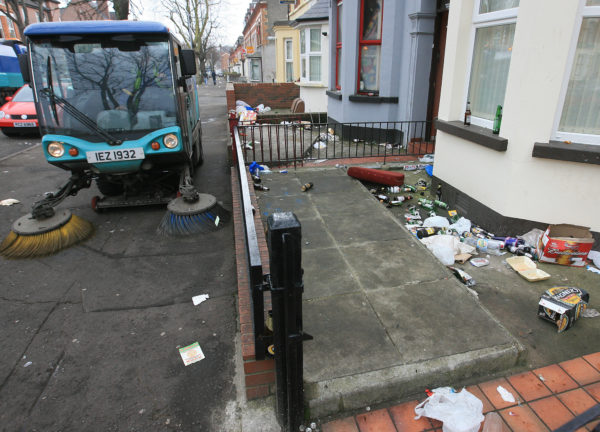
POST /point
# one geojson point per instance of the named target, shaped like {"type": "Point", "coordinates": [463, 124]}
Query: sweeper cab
{"type": "Point", "coordinates": [117, 105]}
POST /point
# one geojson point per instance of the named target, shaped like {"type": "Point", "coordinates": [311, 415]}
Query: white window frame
{"type": "Point", "coordinates": [288, 60]}
{"type": "Point", "coordinates": [583, 12]}
{"type": "Point", "coordinates": [481, 20]}
{"type": "Point", "coordinates": [305, 57]}
{"type": "Point", "coordinates": [254, 60]}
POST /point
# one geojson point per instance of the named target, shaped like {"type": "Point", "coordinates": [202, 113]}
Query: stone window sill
{"type": "Point", "coordinates": [334, 94]}
{"type": "Point", "coordinates": [373, 99]}
{"type": "Point", "coordinates": [475, 134]}
{"type": "Point", "coordinates": [574, 152]}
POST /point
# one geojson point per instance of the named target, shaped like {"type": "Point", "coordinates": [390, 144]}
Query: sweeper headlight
{"type": "Point", "coordinates": [170, 141]}
{"type": "Point", "coordinates": [56, 149]}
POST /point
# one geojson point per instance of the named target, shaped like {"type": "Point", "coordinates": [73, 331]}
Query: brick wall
{"type": "Point", "coordinates": [275, 95]}
{"type": "Point", "coordinates": [259, 375]}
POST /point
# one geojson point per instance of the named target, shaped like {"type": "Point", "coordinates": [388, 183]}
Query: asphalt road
{"type": "Point", "coordinates": [11, 145]}
{"type": "Point", "coordinates": [90, 336]}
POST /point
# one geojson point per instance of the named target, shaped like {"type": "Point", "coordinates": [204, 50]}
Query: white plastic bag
{"type": "Point", "coordinates": [459, 412]}
{"type": "Point", "coordinates": [461, 225]}
{"type": "Point", "coordinates": [436, 221]}
{"type": "Point", "coordinates": [532, 238]}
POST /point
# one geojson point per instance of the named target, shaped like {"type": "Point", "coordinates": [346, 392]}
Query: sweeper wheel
{"type": "Point", "coordinates": [94, 204]}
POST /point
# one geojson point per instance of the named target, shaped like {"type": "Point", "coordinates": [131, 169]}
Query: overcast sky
{"type": "Point", "coordinates": [231, 17]}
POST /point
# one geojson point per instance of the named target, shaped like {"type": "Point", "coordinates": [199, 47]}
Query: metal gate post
{"type": "Point", "coordinates": [284, 240]}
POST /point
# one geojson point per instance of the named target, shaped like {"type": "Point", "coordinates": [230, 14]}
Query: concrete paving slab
{"type": "Point", "coordinates": [355, 229]}
{"type": "Point", "coordinates": [387, 317]}
{"type": "Point", "coordinates": [315, 234]}
{"type": "Point", "coordinates": [354, 203]}
{"type": "Point", "coordinates": [351, 340]}
{"type": "Point", "coordinates": [393, 263]}
{"type": "Point", "coordinates": [299, 204]}
{"type": "Point", "coordinates": [336, 279]}
{"type": "Point", "coordinates": [436, 319]}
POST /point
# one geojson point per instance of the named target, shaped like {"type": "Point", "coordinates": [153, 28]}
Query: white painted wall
{"type": "Point", "coordinates": [514, 183]}
{"type": "Point", "coordinates": [314, 97]}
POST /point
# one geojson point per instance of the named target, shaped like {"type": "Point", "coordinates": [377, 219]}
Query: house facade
{"type": "Point", "coordinates": [259, 39]}
{"type": "Point", "coordinates": [303, 51]}
{"type": "Point", "coordinates": [8, 28]}
{"type": "Point", "coordinates": [380, 52]}
{"type": "Point", "coordinates": [539, 61]}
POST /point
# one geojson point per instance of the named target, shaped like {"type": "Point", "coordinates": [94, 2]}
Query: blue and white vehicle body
{"type": "Point", "coordinates": [117, 101]}
{"type": "Point", "coordinates": [10, 73]}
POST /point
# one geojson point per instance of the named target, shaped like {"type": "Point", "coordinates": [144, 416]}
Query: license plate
{"type": "Point", "coordinates": [25, 124]}
{"type": "Point", "coordinates": [115, 155]}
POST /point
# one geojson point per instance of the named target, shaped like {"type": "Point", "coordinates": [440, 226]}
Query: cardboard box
{"type": "Point", "coordinates": [565, 244]}
{"type": "Point", "coordinates": [563, 306]}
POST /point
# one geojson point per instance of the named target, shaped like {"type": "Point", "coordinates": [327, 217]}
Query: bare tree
{"type": "Point", "coordinates": [196, 22]}
{"type": "Point", "coordinates": [121, 9]}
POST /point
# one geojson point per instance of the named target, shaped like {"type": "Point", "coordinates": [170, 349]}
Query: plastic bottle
{"type": "Point", "coordinates": [485, 245]}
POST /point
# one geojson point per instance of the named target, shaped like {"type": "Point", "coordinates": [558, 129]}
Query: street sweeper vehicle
{"type": "Point", "coordinates": [117, 105]}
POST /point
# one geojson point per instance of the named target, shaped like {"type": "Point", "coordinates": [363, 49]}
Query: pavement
{"type": "Point", "coordinates": [389, 320]}
{"type": "Point", "coordinates": [543, 400]}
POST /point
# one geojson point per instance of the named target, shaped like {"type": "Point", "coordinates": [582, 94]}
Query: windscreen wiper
{"type": "Point", "coordinates": [74, 112]}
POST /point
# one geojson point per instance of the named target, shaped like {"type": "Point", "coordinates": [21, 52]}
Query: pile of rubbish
{"type": "Point", "coordinates": [246, 114]}
{"type": "Point", "coordinates": [455, 239]}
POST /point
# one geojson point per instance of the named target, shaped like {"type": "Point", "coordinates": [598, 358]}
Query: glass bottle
{"type": "Point", "coordinates": [468, 114]}
{"type": "Point", "coordinates": [497, 120]}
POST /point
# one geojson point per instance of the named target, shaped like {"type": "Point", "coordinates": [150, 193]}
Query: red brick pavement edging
{"type": "Point", "coordinates": [547, 398]}
{"type": "Point", "coordinates": [259, 375]}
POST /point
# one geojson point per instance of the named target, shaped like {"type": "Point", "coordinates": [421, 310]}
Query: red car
{"type": "Point", "coordinates": [18, 115]}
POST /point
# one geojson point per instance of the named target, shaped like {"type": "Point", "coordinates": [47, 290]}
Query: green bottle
{"type": "Point", "coordinates": [497, 120]}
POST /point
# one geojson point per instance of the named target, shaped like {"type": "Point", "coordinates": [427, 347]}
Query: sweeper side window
{"type": "Point", "coordinates": [123, 83]}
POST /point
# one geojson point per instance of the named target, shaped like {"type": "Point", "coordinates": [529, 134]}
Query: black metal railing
{"type": "Point", "coordinates": [255, 269]}
{"type": "Point", "coordinates": [284, 238]}
{"type": "Point", "coordinates": [291, 141]}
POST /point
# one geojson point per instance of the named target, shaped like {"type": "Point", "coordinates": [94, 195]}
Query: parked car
{"type": "Point", "coordinates": [18, 115]}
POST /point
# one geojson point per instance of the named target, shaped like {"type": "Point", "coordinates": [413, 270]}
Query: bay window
{"type": "Point", "coordinates": [369, 55]}
{"type": "Point", "coordinates": [289, 60]}
{"type": "Point", "coordinates": [310, 54]}
{"type": "Point", "coordinates": [494, 22]}
{"type": "Point", "coordinates": [579, 120]}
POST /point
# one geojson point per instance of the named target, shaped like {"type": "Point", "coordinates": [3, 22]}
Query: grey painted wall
{"type": "Point", "coordinates": [406, 51]}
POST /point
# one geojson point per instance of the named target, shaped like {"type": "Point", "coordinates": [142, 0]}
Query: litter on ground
{"type": "Point", "coordinates": [199, 299]}
{"type": "Point", "coordinates": [191, 354]}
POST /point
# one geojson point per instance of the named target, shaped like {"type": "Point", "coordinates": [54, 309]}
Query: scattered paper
{"type": "Point", "coordinates": [191, 354]}
{"type": "Point", "coordinates": [590, 313]}
{"type": "Point", "coordinates": [199, 299]}
{"type": "Point", "coordinates": [593, 269]}
{"type": "Point", "coordinates": [9, 202]}
{"type": "Point", "coordinates": [217, 219]}
{"type": "Point", "coordinates": [28, 364]}
{"type": "Point", "coordinates": [506, 395]}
